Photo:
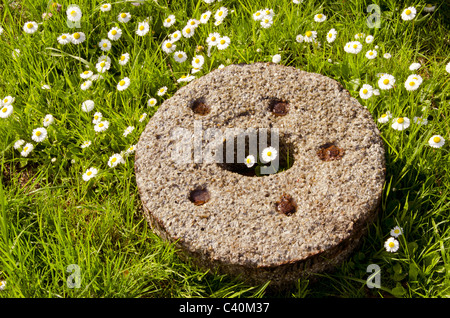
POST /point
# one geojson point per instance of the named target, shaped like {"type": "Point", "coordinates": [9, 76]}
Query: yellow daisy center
{"type": "Point", "coordinates": [197, 61]}
{"type": "Point", "coordinates": [384, 115]}
{"type": "Point", "coordinates": [113, 32]}
{"type": "Point", "coordinates": [370, 53]}
{"type": "Point", "coordinates": [168, 20]}
{"type": "Point", "coordinates": [412, 83]}
{"type": "Point", "coordinates": [122, 82]}
{"type": "Point", "coordinates": [100, 125]}
{"type": "Point", "coordinates": [400, 120]}
{"type": "Point", "coordinates": [330, 35]}
{"type": "Point", "coordinates": [222, 42]}
{"type": "Point", "coordinates": [89, 173]}
{"type": "Point", "coordinates": [5, 100]}
{"type": "Point", "coordinates": [86, 72]}
{"type": "Point", "coordinates": [391, 244]}
{"type": "Point", "coordinates": [63, 37]}
{"type": "Point", "coordinates": [96, 117]}
{"type": "Point", "coordinates": [258, 14]}
{"type": "Point", "coordinates": [25, 149]}
{"type": "Point", "coordinates": [436, 139]}
{"type": "Point", "coordinates": [385, 81]}
{"type": "Point", "coordinates": [169, 45]}
{"type": "Point", "coordinates": [102, 64]}
{"type": "Point", "coordinates": [73, 13]}
{"type": "Point", "coordinates": [4, 109]}
{"type": "Point", "coordinates": [76, 35]}
{"type": "Point", "coordinates": [213, 38]}
{"type": "Point", "coordinates": [105, 44]}
{"type": "Point", "coordinates": [105, 6]}
{"type": "Point", "coordinates": [38, 133]}
{"type": "Point", "coordinates": [161, 90]}
{"type": "Point", "coordinates": [192, 22]}
{"type": "Point", "coordinates": [308, 33]}
{"type": "Point", "coordinates": [30, 25]}
{"type": "Point", "coordinates": [180, 55]}
{"type": "Point", "coordinates": [269, 153]}
{"type": "Point", "coordinates": [365, 91]}
{"type": "Point", "coordinates": [408, 12]}
{"type": "Point", "coordinates": [220, 13]}
{"type": "Point", "coordinates": [355, 46]}
{"type": "Point", "coordinates": [122, 58]}
{"type": "Point", "coordinates": [188, 30]}
{"type": "Point", "coordinates": [114, 159]}
{"type": "Point", "coordinates": [319, 16]}
{"type": "Point", "coordinates": [123, 15]}
{"type": "Point", "coordinates": [141, 27]}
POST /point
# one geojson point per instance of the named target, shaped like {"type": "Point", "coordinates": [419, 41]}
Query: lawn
{"type": "Point", "coordinates": [79, 85]}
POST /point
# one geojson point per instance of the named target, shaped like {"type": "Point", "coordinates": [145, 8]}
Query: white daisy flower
{"type": "Point", "coordinates": [87, 105]}
{"type": "Point", "coordinates": [74, 13]}
{"type": "Point", "coordinates": [64, 38]}
{"type": "Point", "coordinates": [360, 36]}
{"type": "Point", "coordinates": [142, 117]}
{"type": "Point", "coordinates": [86, 144]}
{"type": "Point", "coordinates": [193, 23]}
{"type": "Point", "coordinates": [371, 54]}
{"type": "Point", "coordinates": [414, 66]}
{"type": "Point", "coordinates": [409, 13]}
{"type": "Point", "coordinates": [48, 120]}
{"type": "Point", "coordinates": [102, 66]}
{"type": "Point", "coordinates": [86, 84]}
{"type": "Point", "coordinates": [8, 100]}
{"type": "Point", "coordinates": [429, 8]}
{"type": "Point", "coordinates": [269, 154]}
{"type": "Point", "coordinates": [415, 77]}
{"type": "Point", "coordinates": [436, 141]}
{"type": "Point", "coordinates": [276, 58]}
{"type": "Point", "coordinates": [180, 56]}
{"type": "Point", "coordinates": [124, 17]}
{"type": "Point", "coordinates": [39, 134]}
{"type": "Point", "coordinates": [162, 91]}
{"type": "Point", "coordinates": [268, 12]}
{"type": "Point", "coordinates": [384, 118]}
{"type": "Point", "coordinates": [366, 91]}
{"type": "Point", "coordinates": [412, 84]}
{"type": "Point", "coordinates": [387, 55]}
{"type": "Point", "coordinates": [123, 84]}
{"type": "Point", "coordinates": [221, 13]}
{"type": "Point", "coordinates": [310, 36]}
{"type": "Point", "coordinates": [299, 38]}
{"type": "Point", "coordinates": [105, 7]}
{"type": "Point", "coordinates": [130, 150]}
{"type": "Point", "coordinates": [16, 53]}
{"type": "Point", "coordinates": [197, 61]}
{"type": "Point", "coordinates": [447, 67]}
{"type": "Point", "coordinates": [391, 245]}
{"type": "Point", "coordinates": [353, 47]}
{"type": "Point", "coordinates": [331, 36]}
{"type": "Point", "coordinates": [250, 161]}
{"type": "Point", "coordinates": [266, 22]}
{"type": "Point", "coordinates": [45, 86]}
{"type": "Point", "coordinates": [105, 58]}
{"type": "Point", "coordinates": [30, 27]}
{"type": "Point", "coordinates": [386, 81]}
{"type": "Point", "coordinates": [195, 70]}
{"type": "Point", "coordinates": [213, 39]}
{"type": "Point", "coordinates": [186, 78]}
{"type": "Point", "coordinates": [115, 159]}
{"type": "Point", "coordinates": [124, 58]}
{"type": "Point", "coordinates": [369, 39]}
{"type": "Point", "coordinates": [168, 46]}
{"type": "Point", "coordinates": [104, 45]}
{"type": "Point", "coordinates": [90, 173]}
{"type": "Point", "coordinates": [143, 28]}
{"type": "Point", "coordinates": [114, 34]}
{"type": "Point", "coordinates": [204, 18]}
{"type": "Point", "coordinates": [101, 126]}
{"type": "Point", "coordinates": [26, 150]}
{"type": "Point", "coordinates": [97, 118]}
{"type": "Point", "coordinates": [400, 123]}
{"type": "Point", "coordinates": [188, 31]}
{"type": "Point", "coordinates": [152, 102]}
{"type": "Point", "coordinates": [18, 144]}
{"type": "Point", "coordinates": [6, 111]}
{"type": "Point", "coordinates": [128, 131]}
{"type": "Point", "coordinates": [86, 74]}
{"type": "Point", "coordinates": [1, 30]}
{"type": "Point", "coordinates": [420, 120]}
{"type": "Point", "coordinates": [223, 42]}
{"type": "Point", "coordinates": [78, 37]}
{"type": "Point", "coordinates": [169, 21]}
{"type": "Point", "coordinates": [258, 15]}
{"type": "Point", "coordinates": [320, 17]}
{"type": "Point", "coordinates": [175, 36]}
{"type": "Point", "coordinates": [396, 231]}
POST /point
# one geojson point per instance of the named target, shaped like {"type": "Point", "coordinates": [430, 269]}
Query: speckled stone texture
{"type": "Point", "coordinates": [239, 231]}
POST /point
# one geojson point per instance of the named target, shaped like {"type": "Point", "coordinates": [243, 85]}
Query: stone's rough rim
{"type": "Point", "coordinates": [239, 230]}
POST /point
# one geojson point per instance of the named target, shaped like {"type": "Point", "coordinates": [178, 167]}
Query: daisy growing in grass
{"type": "Point", "coordinates": [169, 21]}
{"type": "Point", "coordinates": [101, 126]}
{"type": "Point", "coordinates": [74, 13]}
{"type": "Point", "coordinates": [180, 56]}
{"type": "Point", "coordinates": [384, 118]}
{"type": "Point", "coordinates": [124, 17]}
{"type": "Point", "coordinates": [320, 17]}
{"type": "Point", "coordinates": [115, 159]}
{"type": "Point", "coordinates": [310, 36]}
{"type": "Point", "coordinates": [30, 27]}
{"type": "Point", "coordinates": [78, 37]}
{"type": "Point", "coordinates": [89, 174]}
{"type": "Point", "coordinates": [331, 35]}
{"type": "Point", "coordinates": [151, 102]}
{"type": "Point", "coordinates": [400, 123]}
{"type": "Point", "coordinates": [142, 28]}
{"type": "Point", "coordinates": [366, 91]}
{"type": "Point", "coordinates": [114, 34]}
{"type": "Point", "coordinates": [5, 111]}
{"type": "Point", "coordinates": [26, 149]}
{"type": "Point", "coordinates": [386, 81]}
{"type": "Point", "coordinates": [391, 245]}
{"type": "Point", "coordinates": [124, 58]}
{"type": "Point", "coordinates": [123, 84]}
{"type": "Point", "coordinates": [39, 134]}
{"type": "Point", "coordinates": [409, 13]}
{"type": "Point", "coordinates": [436, 141]}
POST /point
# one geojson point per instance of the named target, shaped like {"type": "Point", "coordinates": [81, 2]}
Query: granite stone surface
{"type": "Point", "coordinates": [231, 222]}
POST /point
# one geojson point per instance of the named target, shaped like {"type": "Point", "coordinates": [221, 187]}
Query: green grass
{"type": "Point", "coordinates": [50, 218]}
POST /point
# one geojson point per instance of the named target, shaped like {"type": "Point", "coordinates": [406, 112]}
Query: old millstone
{"type": "Point", "coordinates": [277, 227]}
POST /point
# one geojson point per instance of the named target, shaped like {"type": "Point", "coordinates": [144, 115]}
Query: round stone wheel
{"type": "Point", "coordinates": [278, 227]}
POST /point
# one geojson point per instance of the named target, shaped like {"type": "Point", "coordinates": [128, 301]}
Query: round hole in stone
{"type": "Point", "coordinates": [233, 152]}
{"type": "Point", "coordinates": [200, 107]}
{"type": "Point", "coordinates": [278, 107]}
{"type": "Point", "coordinates": [329, 152]}
{"type": "Point", "coordinates": [286, 205]}
{"type": "Point", "coordinates": [199, 196]}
